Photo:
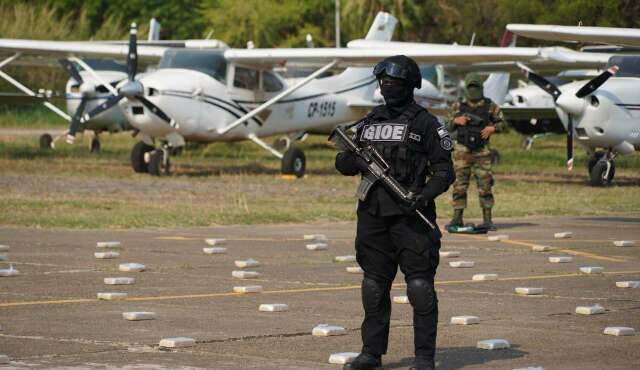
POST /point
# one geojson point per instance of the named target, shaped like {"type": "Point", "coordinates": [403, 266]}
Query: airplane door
{"type": "Point", "coordinates": [245, 87]}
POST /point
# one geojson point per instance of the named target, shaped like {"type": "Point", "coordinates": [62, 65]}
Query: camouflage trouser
{"type": "Point", "coordinates": [465, 163]}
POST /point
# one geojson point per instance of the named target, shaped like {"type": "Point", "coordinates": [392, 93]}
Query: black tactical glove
{"type": "Point", "coordinates": [350, 164]}
{"type": "Point", "coordinates": [418, 202]}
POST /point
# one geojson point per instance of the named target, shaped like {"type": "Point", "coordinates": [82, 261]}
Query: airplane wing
{"type": "Point", "coordinates": [369, 56]}
{"type": "Point", "coordinates": [83, 49]}
{"type": "Point", "coordinates": [592, 35]}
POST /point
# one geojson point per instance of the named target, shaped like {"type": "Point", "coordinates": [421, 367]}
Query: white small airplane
{"type": "Point", "coordinates": [603, 113]}
{"type": "Point", "coordinates": [227, 94]}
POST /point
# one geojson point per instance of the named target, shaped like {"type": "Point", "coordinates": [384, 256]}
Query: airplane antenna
{"type": "Point", "coordinates": [337, 23]}
{"type": "Point", "coordinates": [473, 39]}
{"type": "Point", "coordinates": [580, 23]}
{"type": "Point", "coordinates": [309, 40]}
{"type": "Point", "coordinates": [209, 35]}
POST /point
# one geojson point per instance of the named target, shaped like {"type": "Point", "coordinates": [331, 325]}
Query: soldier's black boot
{"type": "Point", "coordinates": [364, 361]}
{"type": "Point", "coordinates": [423, 363]}
{"type": "Point", "coordinates": [486, 220]}
{"type": "Point", "coordinates": [457, 218]}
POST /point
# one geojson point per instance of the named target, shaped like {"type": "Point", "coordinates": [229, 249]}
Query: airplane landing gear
{"type": "Point", "coordinates": [138, 156]}
{"type": "Point", "coordinates": [159, 163]}
{"type": "Point", "coordinates": [45, 141]}
{"type": "Point", "coordinates": [95, 145]}
{"type": "Point", "coordinates": [602, 169]}
{"type": "Point", "coordinates": [294, 162]}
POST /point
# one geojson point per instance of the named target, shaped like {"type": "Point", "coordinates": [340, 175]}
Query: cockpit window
{"type": "Point", "coordinates": [210, 62]}
{"type": "Point", "coordinates": [271, 82]}
{"type": "Point", "coordinates": [629, 65]}
{"type": "Point", "coordinates": [246, 78]}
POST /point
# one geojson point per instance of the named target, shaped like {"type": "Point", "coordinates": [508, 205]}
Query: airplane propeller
{"type": "Point", "coordinates": [131, 89]}
{"type": "Point", "coordinates": [77, 116]}
{"type": "Point", "coordinates": [569, 105]}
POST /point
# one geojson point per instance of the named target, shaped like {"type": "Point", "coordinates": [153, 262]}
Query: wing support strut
{"type": "Point", "coordinates": [26, 90]}
{"type": "Point", "coordinates": [275, 99]}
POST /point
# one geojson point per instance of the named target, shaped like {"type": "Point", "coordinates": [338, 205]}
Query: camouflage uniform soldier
{"type": "Point", "coordinates": [471, 121]}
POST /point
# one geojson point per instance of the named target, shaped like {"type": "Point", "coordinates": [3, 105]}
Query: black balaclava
{"type": "Point", "coordinates": [398, 91]}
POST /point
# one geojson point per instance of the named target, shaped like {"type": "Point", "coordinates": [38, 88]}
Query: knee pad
{"type": "Point", "coordinates": [374, 295]}
{"type": "Point", "coordinates": [421, 295]}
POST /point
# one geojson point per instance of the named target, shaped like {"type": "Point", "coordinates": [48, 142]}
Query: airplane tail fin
{"type": "Point", "coordinates": [382, 28]}
{"type": "Point", "coordinates": [496, 87]}
{"type": "Point", "coordinates": [154, 30]}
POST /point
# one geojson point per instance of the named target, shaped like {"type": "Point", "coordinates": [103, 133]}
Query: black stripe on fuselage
{"type": "Point", "coordinates": [208, 101]}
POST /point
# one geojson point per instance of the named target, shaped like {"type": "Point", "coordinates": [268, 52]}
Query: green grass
{"type": "Point", "coordinates": [239, 183]}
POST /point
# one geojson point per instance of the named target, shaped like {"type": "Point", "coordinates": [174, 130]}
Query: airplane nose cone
{"type": "Point", "coordinates": [571, 104]}
{"type": "Point", "coordinates": [132, 88]}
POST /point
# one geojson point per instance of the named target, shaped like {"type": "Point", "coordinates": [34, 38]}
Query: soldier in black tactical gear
{"type": "Point", "coordinates": [390, 234]}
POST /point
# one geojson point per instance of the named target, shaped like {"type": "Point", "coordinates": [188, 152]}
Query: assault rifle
{"type": "Point", "coordinates": [378, 171]}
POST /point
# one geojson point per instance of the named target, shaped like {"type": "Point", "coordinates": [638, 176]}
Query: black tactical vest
{"type": "Point", "coordinates": [469, 135]}
{"type": "Point", "coordinates": [401, 141]}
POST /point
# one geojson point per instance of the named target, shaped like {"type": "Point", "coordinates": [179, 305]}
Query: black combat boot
{"type": "Point", "coordinates": [364, 361]}
{"type": "Point", "coordinates": [486, 220]}
{"type": "Point", "coordinates": [457, 218]}
{"type": "Point", "coordinates": [423, 363]}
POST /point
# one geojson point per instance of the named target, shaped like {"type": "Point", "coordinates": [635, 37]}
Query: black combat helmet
{"type": "Point", "coordinates": [400, 67]}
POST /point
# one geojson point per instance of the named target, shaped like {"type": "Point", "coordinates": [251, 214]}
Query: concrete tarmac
{"type": "Point", "coordinates": [50, 317]}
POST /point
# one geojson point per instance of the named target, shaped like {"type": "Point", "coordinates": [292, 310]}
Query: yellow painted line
{"type": "Point", "coordinates": [564, 250]}
{"type": "Point", "coordinates": [301, 290]}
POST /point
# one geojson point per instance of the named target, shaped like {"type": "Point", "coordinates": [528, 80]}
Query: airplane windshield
{"type": "Point", "coordinates": [629, 65]}
{"type": "Point", "coordinates": [210, 62]}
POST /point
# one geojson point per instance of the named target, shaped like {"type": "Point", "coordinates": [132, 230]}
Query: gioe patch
{"type": "Point", "coordinates": [384, 132]}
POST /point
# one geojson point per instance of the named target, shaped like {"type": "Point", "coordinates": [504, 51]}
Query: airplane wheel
{"type": "Point", "coordinates": [598, 174]}
{"type": "Point", "coordinates": [137, 156]}
{"type": "Point", "coordinates": [95, 145]}
{"type": "Point", "coordinates": [495, 157]}
{"type": "Point", "coordinates": [45, 141]}
{"type": "Point", "coordinates": [294, 162]}
{"type": "Point", "coordinates": [594, 159]}
{"type": "Point", "coordinates": [157, 164]}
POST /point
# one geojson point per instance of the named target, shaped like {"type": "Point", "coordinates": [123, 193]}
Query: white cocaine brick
{"type": "Point", "coordinates": [247, 289]}
{"type": "Point", "coordinates": [497, 238]}
{"type": "Point", "coordinates": [109, 244]}
{"type": "Point", "coordinates": [342, 357]}
{"type": "Point", "coordinates": [111, 296]}
{"type": "Point", "coordinates": [484, 277]}
{"type": "Point", "coordinates": [138, 316]}
{"type": "Point", "coordinates": [345, 259]}
{"type": "Point", "coordinates": [561, 259]}
{"type": "Point", "coordinates": [4, 248]}
{"type": "Point", "coordinates": [624, 243]}
{"type": "Point", "coordinates": [449, 254]}
{"type": "Point", "coordinates": [177, 342]}
{"type": "Point", "coordinates": [355, 269]}
{"type": "Point", "coordinates": [273, 307]}
{"type": "Point", "coordinates": [461, 264]}
{"type": "Point", "coordinates": [247, 263]}
{"type": "Point", "coordinates": [315, 237]}
{"type": "Point", "coordinates": [541, 248]}
{"type": "Point", "coordinates": [215, 241]}
{"type": "Point", "coordinates": [529, 291]}
{"type": "Point", "coordinates": [590, 310]}
{"type": "Point", "coordinates": [317, 247]}
{"type": "Point", "coordinates": [119, 281]}
{"type": "Point", "coordinates": [106, 255]}
{"type": "Point", "coordinates": [628, 284]}
{"type": "Point", "coordinates": [9, 272]}
{"type": "Point", "coordinates": [4, 359]}
{"type": "Point", "coordinates": [245, 274]}
{"type": "Point", "coordinates": [591, 270]}
{"type": "Point", "coordinates": [403, 299]}
{"type": "Point", "coordinates": [131, 267]}
{"type": "Point", "coordinates": [619, 331]}
{"type": "Point", "coordinates": [563, 235]}
{"type": "Point", "coordinates": [465, 320]}
{"type": "Point", "coordinates": [214, 250]}
{"type": "Point", "coordinates": [325, 330]}
{"type": "Point", "coordinates": [493, 344]}
{"type": "Point", "coordinates": [4, 256]}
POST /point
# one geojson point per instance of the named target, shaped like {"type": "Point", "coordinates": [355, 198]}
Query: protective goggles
{"type": "Point", "coordinates": [390, 69]}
